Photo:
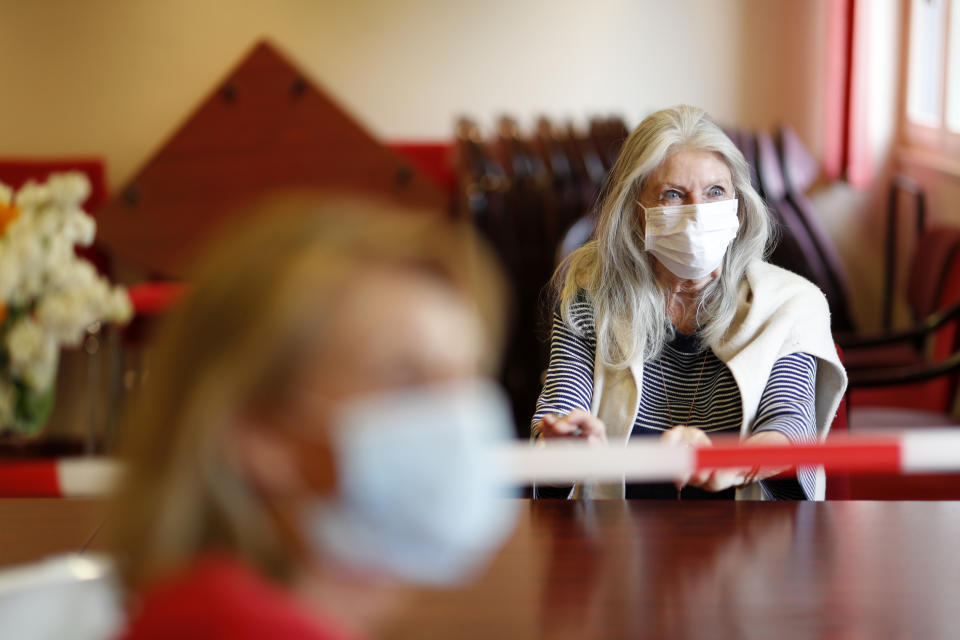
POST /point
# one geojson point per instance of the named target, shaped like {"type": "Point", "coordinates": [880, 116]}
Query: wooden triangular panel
{"type": "Point", "coordinates": [267, 128]}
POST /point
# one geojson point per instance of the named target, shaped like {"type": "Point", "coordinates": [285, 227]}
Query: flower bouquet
{"type": "Point", "coordinates": [49, 297]}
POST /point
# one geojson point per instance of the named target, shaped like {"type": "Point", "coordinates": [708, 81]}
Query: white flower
{"type": "Point", "coordinates": [82, 298]}
{"type": "Point", "coordinates": [33, 354]}
{"type": "Point", "coordinates": [64, 315]}
{"type": "Point", "coordinates": [25, 258]}
{"type": "Point", "coordinates": [9, 273]}
{"type": "Point", "coordinates": [32, 195]}
{"type": "Point", "coordinates": [79, 228]}
{"type": "Point", "coordinates": [69, 189]}
{"type": "Point", "coordinates": [8, 401]}
{"type": "Point", "coordinates": [65, 270]}
{"type": "Point", "coordinates": [6, 195]}
{"type": "Point", "coordinates": [119, 309]}
{"type": "Point", "coordinates": [40, 272]}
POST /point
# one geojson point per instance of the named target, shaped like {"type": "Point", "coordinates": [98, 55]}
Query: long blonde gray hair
{"type": "Point", "coordinates": [615, 271]}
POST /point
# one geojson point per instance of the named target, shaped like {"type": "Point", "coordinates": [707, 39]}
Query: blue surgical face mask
{"type": "Point", "coordinates": [420, 494]}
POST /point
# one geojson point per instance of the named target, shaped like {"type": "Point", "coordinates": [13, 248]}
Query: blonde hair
{"type": "Point", "coordinates": [614, 270]}
{"type": "Point", "coordinates": [239, 341]}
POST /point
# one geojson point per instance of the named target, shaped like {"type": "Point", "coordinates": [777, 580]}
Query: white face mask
{"type": "Point", "coordinates": [420, 494]}
{"type": "Point", "coordinates": [690, 240]}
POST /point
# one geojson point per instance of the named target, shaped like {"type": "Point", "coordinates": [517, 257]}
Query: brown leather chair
{"type": "Point", "coordinates": [910, 368]}
{"type": "Point", "coordinates": [810, 255]}
{"type": "Point", "coordinates": [608, 136]}
{"type": "Point", "coordinates": [933, 288]}
{"type": "Point", "coordinates": [800, 168]}
{"type": "Point", "coordinates": [568, 205]}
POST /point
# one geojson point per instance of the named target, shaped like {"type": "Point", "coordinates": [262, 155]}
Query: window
{"type": "Point", "coordinates": [933, 76]}
{"type": "Point", "coordinates": [925, 80]}
{"type": "Point", "coordinates": [952, 71]}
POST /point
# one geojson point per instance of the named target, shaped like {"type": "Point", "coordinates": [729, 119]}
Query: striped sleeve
{"type": "Point", "coordinates": [569, 380]}
{"type": "Point", "coordinates": [788, 406]}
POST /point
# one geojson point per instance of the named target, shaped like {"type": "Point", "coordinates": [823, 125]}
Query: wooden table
{"type": "Point", "coordinates": [615, 569]}
{"type": "Point", "coordinates": [32, 528]}
{"type": "Point", "coordinates": [743, 570]}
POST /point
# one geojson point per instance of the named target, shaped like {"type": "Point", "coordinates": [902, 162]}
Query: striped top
{"type": "Point", "coordinates": [686, 385]}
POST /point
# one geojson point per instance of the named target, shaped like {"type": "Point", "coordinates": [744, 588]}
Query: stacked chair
{"type": "Point", "coordinates": [908, 378]}
{"type": "Point", "coordinates": [899, 379]}
{"type": "Point", "coordinates": [525, 192]}
{"type": "Point", "coordinates": [803, 246]}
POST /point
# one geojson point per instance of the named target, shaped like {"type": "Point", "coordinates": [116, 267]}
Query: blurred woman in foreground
{"type": "Point", "coordinates": [312, 433]}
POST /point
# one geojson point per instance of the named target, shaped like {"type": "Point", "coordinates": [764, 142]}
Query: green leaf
{"type": "Point", "coordinates": [33, 409]}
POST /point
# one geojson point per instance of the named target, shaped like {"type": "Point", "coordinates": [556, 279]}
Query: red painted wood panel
{"type": "Point", "coordinates": [265, 129]}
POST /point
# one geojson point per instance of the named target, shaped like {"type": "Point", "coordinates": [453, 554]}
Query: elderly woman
{"type": "Point", "coordinates": [324, 376]}
{"type": "Point", "coordinates": [670, 323]}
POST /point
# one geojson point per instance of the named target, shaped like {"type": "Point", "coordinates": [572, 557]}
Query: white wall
{"type": "Point", "coordinates": [113, 78]}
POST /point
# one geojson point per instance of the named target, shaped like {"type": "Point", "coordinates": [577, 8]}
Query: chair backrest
{"type": "Point", "coordinates": [482, 183]}
{"type": "Point", "coordinates": [772, 186]}
{"type": "Point", "coordinates": [747, 143]}
{"type": "Point", "coordinates": [549, 144]}
{"type": "Point", "coordinates": [787, 173]}
{"type": "Point", "coordinates": [578, 233]}
{"type": "Point", "coordinates": [931, 267]}
{"type": "Point", "coordinates": [795, 249]}
{"type": "Point", "coordinates": [734, 134]}
{"type": "Point", "coordinates": [608, 136]}
{"type": "Point", "coordinates": [947, 339]}
{"type": "Point", "coordinates": [800, 168]}
{"type": "Point", "coordinates": [823, 264]}
{"type": "Point", "coordinates": [833, 266]}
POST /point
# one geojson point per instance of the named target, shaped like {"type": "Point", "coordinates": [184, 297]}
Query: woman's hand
{"type": "Point", "coordinates": [710, 479]}
{"type": "Point", "coordinates": [720, 479]}
{"type": "Point", "coordinates": [682, 436]}
{"type": "Point", "coordinates": [576, 424]}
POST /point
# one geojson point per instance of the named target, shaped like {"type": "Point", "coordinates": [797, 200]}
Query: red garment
{"type": "Point", "coordinates": [219, 598]}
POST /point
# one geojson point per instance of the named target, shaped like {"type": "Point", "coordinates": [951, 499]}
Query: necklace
{"type": "Point", "coordinates": [696, 389]}
{"type": "Point", "coordinates": [666, 395]}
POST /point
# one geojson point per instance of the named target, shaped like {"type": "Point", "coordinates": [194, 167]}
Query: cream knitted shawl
{"type": "Point", "coordinates": [778, 313]}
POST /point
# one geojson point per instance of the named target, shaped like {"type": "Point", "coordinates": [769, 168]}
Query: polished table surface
{"type": "Point", "coordinates": [614, 569]}
{"type": "Point", "coordinates": [34, 528]}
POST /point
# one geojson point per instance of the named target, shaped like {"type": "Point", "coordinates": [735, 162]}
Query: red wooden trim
{"type": "Point", "coordinates": [35, 479]}
{"type": "Point", "coordinates": [432, 158]}
{"type": "Point", "coordinates": [149, 298]}
{"type": "Point", "coordinates": [266, 128]}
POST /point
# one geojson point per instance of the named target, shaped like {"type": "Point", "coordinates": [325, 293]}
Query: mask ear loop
{"type": "Point", "coordinates": [643, 219]}
{"type": "Point", "coordinates": [741, 220]}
